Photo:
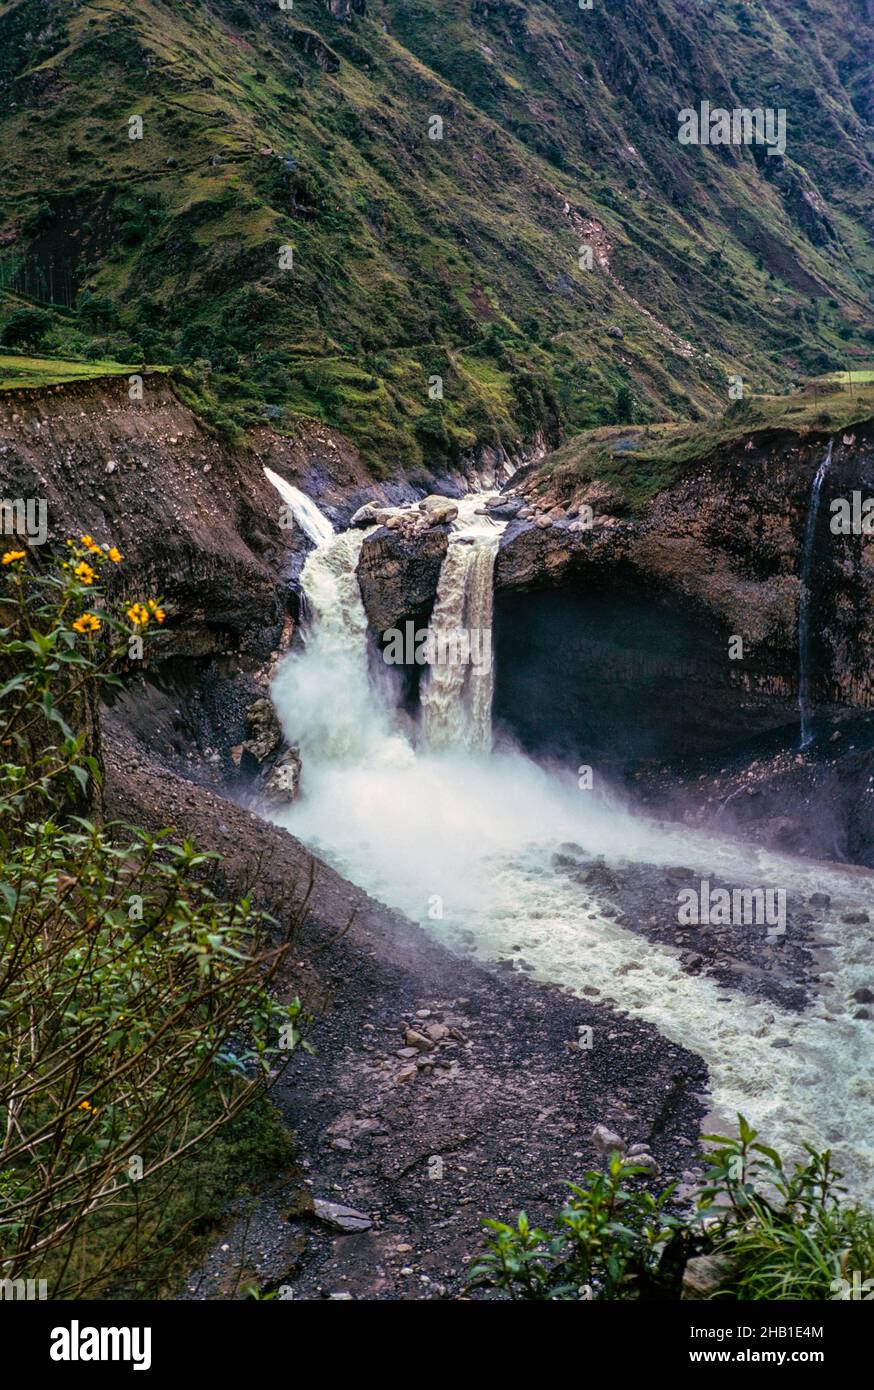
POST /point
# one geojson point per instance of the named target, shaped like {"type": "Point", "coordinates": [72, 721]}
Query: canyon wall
{"type": "Point", "coordinates": [673, 633]}
{"type": "Point", "coordinates": [198, 524]}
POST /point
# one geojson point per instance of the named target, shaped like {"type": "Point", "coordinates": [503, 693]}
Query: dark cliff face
{"type": "Point", "coordinates": [398, 575]}
{"type": "Point", "coordinates": [672, 634]}
{"type": "Point", "coordinates": [640, 623]}
{"type": "Point", "coordinates": [198, 524]}
{"type": "Point", "coordinates": [606, 669]}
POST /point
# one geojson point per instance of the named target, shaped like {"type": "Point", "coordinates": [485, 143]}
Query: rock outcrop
{"type": "Point", "coordinates": [674, 631]}
{"type": "Point", "coordinates": [398, 575]}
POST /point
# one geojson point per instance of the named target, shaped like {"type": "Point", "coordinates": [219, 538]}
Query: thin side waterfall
{"type": "Point", "coordinates": [456, 697]}
{"type": "Point", "coordinates": [476, 831]}
{"type": "Point", "coordinates": [303, 510]}
{"type": "Point", "coordinates": [804, 599]}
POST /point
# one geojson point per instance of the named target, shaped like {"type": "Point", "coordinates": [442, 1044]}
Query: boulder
{"type": "Point", "coordinates": [371, 514]}
{"type": "Point", "coordinates": [704, 1276]}
{"type": "Point", "coordinates": [439, 510]}
{"type": "Point", "coordinates": [282, 783]}
{"type": "Point", "coordinates": [606, 1141]}
{"type": "Point", "coordinates": [398, 574]}
{"type": "Point", "coordinates": [647, 1162]}
{"type": "Point", "coordinates": [345, 1219]}
{"type": "Point", "coordinates": [265, 734]}
{"type": "Point", "coordinates": [505, 508]}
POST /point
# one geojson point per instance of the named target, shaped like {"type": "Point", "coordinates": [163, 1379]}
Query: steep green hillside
{"type": "Point", "coordinates": [457, 258]}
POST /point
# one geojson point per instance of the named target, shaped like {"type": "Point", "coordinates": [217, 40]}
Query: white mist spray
{"type": "Point", "coordinates": [461, 840]}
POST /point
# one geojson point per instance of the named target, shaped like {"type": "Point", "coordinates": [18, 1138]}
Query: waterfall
{"type": "Point", "coordinates": [462, 840]}
{"type": "Point", "coordinates": [303, 509]}
{"type": "Point", "coordinates": [325, 698]}
{"type": "Point", "coordinates": [456, 696]}
{"type": "Point", "coordinates": [337, 705]}
{"type": "Point", "coordinates": [804, 599]}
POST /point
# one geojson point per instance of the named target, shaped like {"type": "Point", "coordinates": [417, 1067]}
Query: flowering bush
{"type": "Point", "coordinates": [771, 1232]}
{"type": "Point", "coordinates": [136, 1016]}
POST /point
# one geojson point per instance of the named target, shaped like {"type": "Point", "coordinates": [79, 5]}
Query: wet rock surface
{"type": "Point", "coordinates": [751, 958]}
{"type": "Point", "coordinates": [817, 802]}
{"type": "Point", "coordinates": [398, 575]}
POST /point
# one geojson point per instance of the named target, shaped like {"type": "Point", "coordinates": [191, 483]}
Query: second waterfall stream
{"type": "Point", "coordinates": [460, 836]}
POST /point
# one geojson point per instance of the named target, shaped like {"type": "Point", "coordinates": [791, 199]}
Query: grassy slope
{"type": "Point", "coordinates": [19, 370]}
{"type": "Point", "coordinates": [457, 257]}
{"type": "Point", "coordinates": [637, 462]}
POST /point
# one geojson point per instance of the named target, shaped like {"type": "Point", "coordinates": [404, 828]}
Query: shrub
{"type": "Point", "coordinates": [26, 327]}
{"type": "Point", "coordinates": [623, 406]}
{"type": "Point", "coordinates": [136, 1018]}
{"type": "Point", "coordinates": [777, 1234]}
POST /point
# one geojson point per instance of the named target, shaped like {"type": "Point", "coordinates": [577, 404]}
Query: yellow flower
{"type": "Point", "coordinates": [156, 611]}
{"type": "Point", "coordinates": [87, 623]}
{"type": "Point", "coordinates": [84, 572]}
{"type": "Point", "coordinates": [114, 555]}
{"type": "Point", "coordinates": [12, 555]}
{"type": "Point", "coordinates": [87, 541]}
{"type": "Point", "coordinates": [138, 614]}
{"type": "Point", "coordinates": [86, 1105]}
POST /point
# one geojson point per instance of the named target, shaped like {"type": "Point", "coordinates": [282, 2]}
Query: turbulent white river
{"type": "Point", "coordinates": [436, 824]}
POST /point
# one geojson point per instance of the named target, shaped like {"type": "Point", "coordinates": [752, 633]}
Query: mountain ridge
{"type": "Point", "coordinates": [422, 265]}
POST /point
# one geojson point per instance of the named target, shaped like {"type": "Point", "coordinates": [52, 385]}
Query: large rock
{"type": "Point", "coordinates": [282, 782]}
{"type": "Point", "coordinates": [606, 1141]}
{"type": "Point", "coordinates": [398, 575]}
{"type": "Point", "coordinates": [265, 733]}
{"type": "Point", "coordinates": [505, 508]}
{"type": "Point", "coordinates": [440, 510]}
{"type": "Point", "coordinates": [340, 1217]}
{"type": "Point", "coordinates": [372, 514]}
{"type": "Point", "coordinates": [704, 1276]}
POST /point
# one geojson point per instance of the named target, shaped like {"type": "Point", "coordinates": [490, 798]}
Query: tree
{"type": "Point", "coordinates": [623, 408]}
{"type": "Point", "coordinates": [25, 328]}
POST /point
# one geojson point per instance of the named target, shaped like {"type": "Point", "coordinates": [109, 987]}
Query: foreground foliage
{"type": "Point", "coordinates": [136, 1015]}
{"type": "Point", "coordinates": [774, 1234]}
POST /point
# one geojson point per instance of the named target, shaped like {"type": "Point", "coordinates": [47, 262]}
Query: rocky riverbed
{"type": "Point", "coordinates": [441, 1091]}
